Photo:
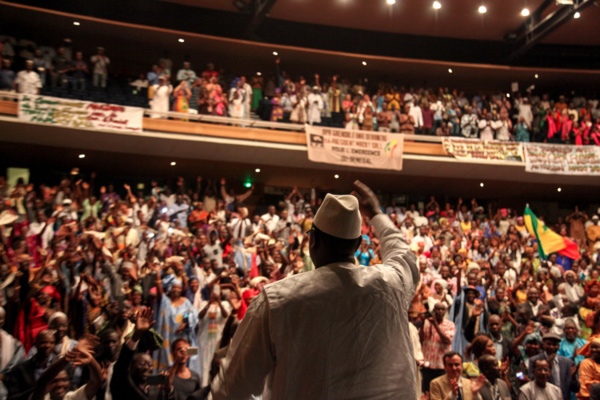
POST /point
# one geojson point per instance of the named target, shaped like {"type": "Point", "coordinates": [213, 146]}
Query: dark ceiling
{"type": "Point", "coordinates": [409, 29]}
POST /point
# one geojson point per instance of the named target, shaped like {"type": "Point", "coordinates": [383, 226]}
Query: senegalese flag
{"type": "Point", "coordinates": [549, 241]}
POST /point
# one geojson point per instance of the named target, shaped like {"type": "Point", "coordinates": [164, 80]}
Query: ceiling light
{"type": "Point", "coordinates": [507, 94]}
{"type": "Point", "coordinates": [525, 12]}
{"type": "Point", "coordinates": [559, 190]}
{"type": "Point", "coordinates": [82, 156]}
{"type": "Point", "coordinates": [437, 5]}
{"type": "Point", "coordinates": [564, 2]}
{"type": "Point", "coordinates": [482, 9]}
{"type": "Point", "coordinates": [257, 170]}
{"type": "Point", "coordinates": [336, 176]}
{"type": "Point", "coordinates": [577, 15]}
{"type": "Point", "coordinates": [449, 70]}
{"type": "Point", "coordinates": [258, 73]}
{"type": "Point", "coordinates": [364, 63]}
{"type": "Point", "coordinates": [181, 40]}
{"type": "Point", "coordinates": [76, 23]}
{"type": "Point", "coordinates": [275, 53]}
{"type": "Point", "coordinates": [391, 2]}
{"type": "Point", "coordinates": [536, 76]}
{"type": "Point", "coordinates": [173, 163]}
{"type": "Point", "coordinates": [481, 184]}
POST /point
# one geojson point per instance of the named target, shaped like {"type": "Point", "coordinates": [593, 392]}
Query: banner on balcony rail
{"type": "Point", "coordinates": [562, 159]}
{"type": "Point", "coordinates": [475, 149]}
{"type": "Point", "coordinates": [79, 114]}
{"type": "Point", "coordinates": [365, 149]}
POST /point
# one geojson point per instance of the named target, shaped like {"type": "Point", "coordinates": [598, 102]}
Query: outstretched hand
{"type": "Point", "coordinates": [478, 384]}
{"type": "Point", "coordinates": [367, 200]}
{"type": "Point", "coordinates": [143, 322]}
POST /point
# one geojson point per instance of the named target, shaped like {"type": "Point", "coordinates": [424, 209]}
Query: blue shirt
{"type": "Point", "coordinates": [566, 349]}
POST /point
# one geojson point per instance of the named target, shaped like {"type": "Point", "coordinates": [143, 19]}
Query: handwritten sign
{"type": "Point", "coordinates": [562, 159]}
{"type": "Point", "coordinates": [79, 114]}
{"type": "Point", "coordinates": [475, 149]}
{"type": "Point", "coordinates": [365, 149]}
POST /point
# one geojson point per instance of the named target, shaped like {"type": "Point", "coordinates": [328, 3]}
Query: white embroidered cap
{"type": "Point", "coordinates": [339, 216]}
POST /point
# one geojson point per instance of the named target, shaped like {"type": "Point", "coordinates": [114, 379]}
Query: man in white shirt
{"type": "Point", "coordinates": [28, 81]}
{"type": "Point", "coordinates": [270, 219]}
{"type": "Point", "coordinates": [213, 249]}
{"type": "Point", "coordinates": [337, 331]}
{"type": "Point", "coordinates": [186, 74]}
{"type": "Point", "coordinates": [540, 388]}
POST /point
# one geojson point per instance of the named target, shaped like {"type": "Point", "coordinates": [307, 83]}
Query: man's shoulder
{"type": "Point", "coordinates": [441, 381]}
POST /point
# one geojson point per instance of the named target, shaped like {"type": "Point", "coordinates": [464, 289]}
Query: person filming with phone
{"type": "Point", "coordinates": [338, 332]}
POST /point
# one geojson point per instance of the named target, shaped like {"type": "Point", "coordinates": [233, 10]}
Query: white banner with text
{"type": "Point", "coordinates": [364, 149]}
{"type": "Point", "coordinates": [79, 114]}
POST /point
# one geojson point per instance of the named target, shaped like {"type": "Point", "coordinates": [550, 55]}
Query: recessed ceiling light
{"type": "Point", "coordinates": [76, 23]}
{"type": "Point", "coordinates": [525, 12]}
{"type": "Point", "coordinates": [507, 94]}
{"type": "Point", "coordinates": [259, 73]}
{"type": "Point", "coordinates": [450, 70]}
{"type": "Point", "coordinates": [257, 170]}
{"type": "Point", "coordinates": [391, 2]}
{"type": "Point", "coordinates": [364, 63]}
{"type": "Point", "coordinates": [559, 190]}
{"type": "Point", "coordinates": [181, 40]}
{"type": "Point", "coordinates": [536, 76]}
{"type": "Point", "coordinates": [275, 53]}
{"type": "Point", "coordinates": [577, 15]}
{"type": "Point", "coordinates": [482, 9]}
{"type": "Point", "coordinates": [336, 176]}
{"type": "Point", "coordinates": [481, 184]}
{"type": "Point", "coordinates": [82, 156]}
{"type": "Point", "coordinates": [437, 5]}
{"type": "Point", "coordinates": [173, 163]}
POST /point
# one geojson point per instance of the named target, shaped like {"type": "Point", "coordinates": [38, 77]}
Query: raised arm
{"type": "Point", "coordinates": [395, 252]}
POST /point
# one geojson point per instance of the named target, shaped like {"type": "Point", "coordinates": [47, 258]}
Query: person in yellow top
{"type": "Point", "coordinates": [589, 373]}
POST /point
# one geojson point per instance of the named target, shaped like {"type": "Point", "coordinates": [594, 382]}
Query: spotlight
{"type": "Point", "coordinates": [437, 5]}
{"type": "Point", "coordinates": [482, 9]}
{"type": "Point", "coordinates": [577, 15]}
{"type": "Point", "coordinates": [525, 12]}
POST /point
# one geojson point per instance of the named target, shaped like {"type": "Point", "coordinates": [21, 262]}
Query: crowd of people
{"type": "Point", "coordinates": [107, 291]}
{"type": "Point", "coordinates": [335, 101]}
